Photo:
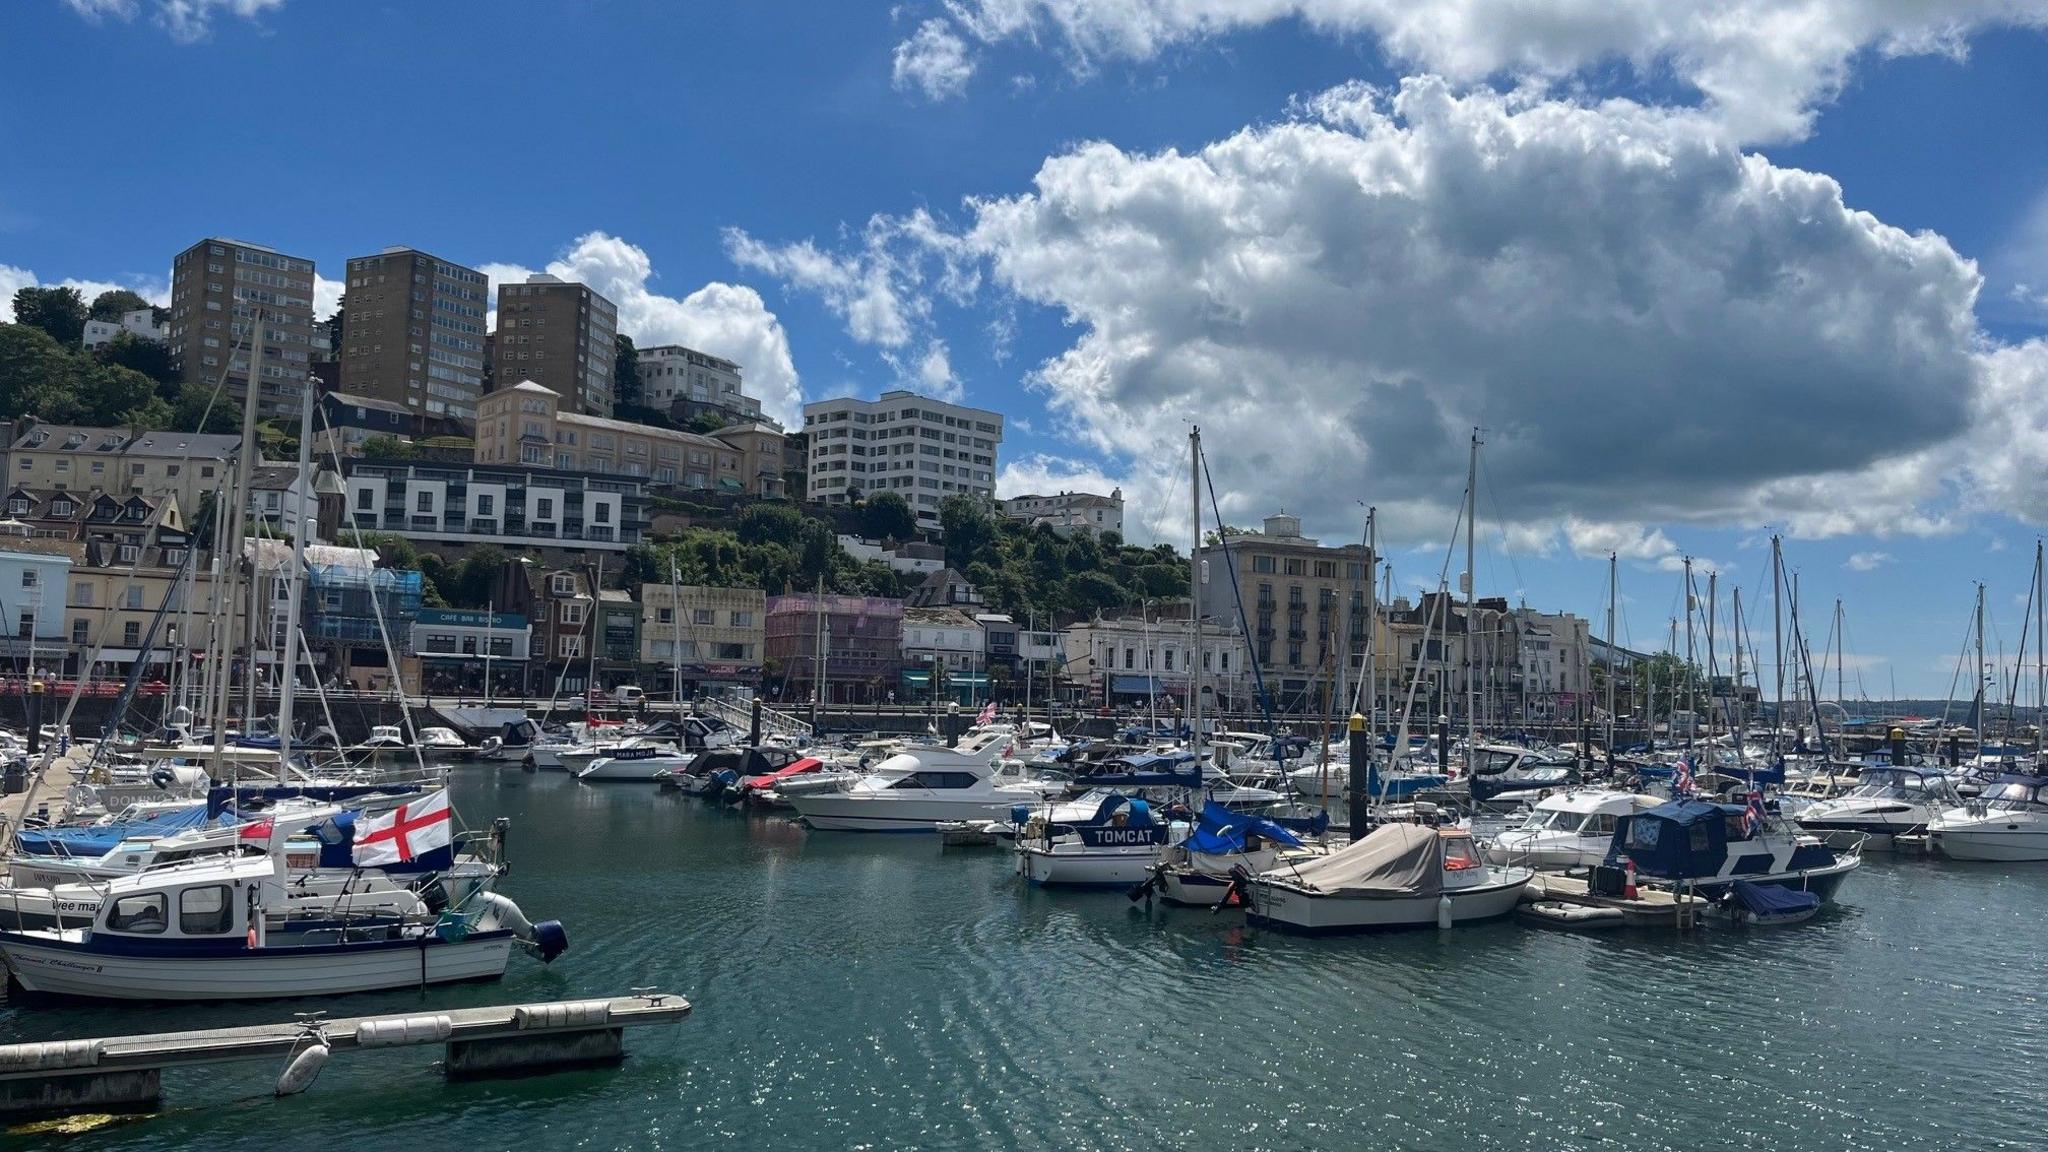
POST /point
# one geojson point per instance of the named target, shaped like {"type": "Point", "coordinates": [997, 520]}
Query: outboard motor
{"type": "Point", "coordinates": [548, 938]}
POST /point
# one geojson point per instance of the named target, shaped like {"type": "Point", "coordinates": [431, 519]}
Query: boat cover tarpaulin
{"type": "Point", "coordinates": [1221, 832]}
{"type": "Point", "coordinates": [1681, 840]}
{"type": "Point", "coordinates": [1395, 860]}
{"type": "Point", "coordinates": [1773, 899]}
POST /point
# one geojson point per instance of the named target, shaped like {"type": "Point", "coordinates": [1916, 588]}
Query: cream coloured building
{"type": "Point", "coordinates": [719, 631]}
{"type": "Point", "coordinates": [525, 424]}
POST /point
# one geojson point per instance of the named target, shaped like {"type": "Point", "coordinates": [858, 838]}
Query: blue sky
{"type": "Point", "coordinates": [1106, 220]}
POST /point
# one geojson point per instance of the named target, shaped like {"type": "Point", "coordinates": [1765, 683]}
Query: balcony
{"type": "Point", "coordinates": [483, 527]}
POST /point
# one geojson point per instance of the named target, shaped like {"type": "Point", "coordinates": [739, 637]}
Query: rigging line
{"type": "Point", "coordinates": [1500, 518]}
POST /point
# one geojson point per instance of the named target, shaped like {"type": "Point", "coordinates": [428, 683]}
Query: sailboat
{"type": "Point", "coordinates": [2008, 819]}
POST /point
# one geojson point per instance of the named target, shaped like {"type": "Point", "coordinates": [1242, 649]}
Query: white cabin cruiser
{"type": "Point", "coordinates": [1399, 876]}
{"type": "Point", "coordinates": [923, 786]}
{"type": "Point", "coordinates": [1567, 830]}
{"type": "Point", "coordinates": [2008, 821]}
{"type": "Point", "coordinates": [1887, 801]}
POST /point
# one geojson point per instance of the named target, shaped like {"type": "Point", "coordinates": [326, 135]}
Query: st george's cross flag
{"type": "Point", "coordinates": [404, 833]}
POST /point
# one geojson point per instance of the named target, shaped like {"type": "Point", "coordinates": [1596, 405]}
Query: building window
{"type": "Point", "coordinates": [362, 499]}
{"type": "Point", "coordinates": [485, 503]}
{"type": "Point", "coordinates": [1262, 564]}
{"type": "Point", "coordinates": [544, 509]}
{"type": "Point", "coordinates": [572, 612]}
{"type": "Point", "coordinates": [562, 584]}
{"type": "Point", "coordinates": [131, 634]}
{"type": "Point", "coordinates": [81, 594]}
{"type": "Point", "coordinates": [28, 577]}
{"type": "Point", "coordinates": [743, 619]}
{"type": "Point", "coordinates": [1294, 566]}
{"type": "Point", "coordinates": [570, 647]}
{"type": "Point", "coordinates": [135, 596]}
{"type": "Point", "coordinates": [424, 502]}
{"type": "Point", "coordinates": [80, 630]}
{"type": "Point", "coordinates": [601, 513]}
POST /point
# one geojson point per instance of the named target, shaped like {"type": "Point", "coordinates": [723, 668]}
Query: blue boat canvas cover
{"type": "Point", "coordinates": [1221, 832]}
{"type": "Point", "coordinates": [1681, 840]}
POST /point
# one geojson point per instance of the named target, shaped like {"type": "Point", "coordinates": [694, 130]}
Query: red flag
{"type": "Point", "coordinates": [259, 830]}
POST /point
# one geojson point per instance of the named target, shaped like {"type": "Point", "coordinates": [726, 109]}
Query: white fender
{"type": "Point", "coordinates": [303, 1069]}
{"type": "Point", "coordinates": [1443, 911]}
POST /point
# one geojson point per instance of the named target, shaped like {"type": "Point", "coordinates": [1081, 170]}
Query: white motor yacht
{"type": "Point", "coordinates": [1886, 801]}
{"type": "Point", "coordinates": [2008, 821]}
{"type": "Point", "coordinates": [441, 743]}
{"type": "Point", "coordinates": [923, 786]}
{"type": "Point", "coordinates": [1567, 830]}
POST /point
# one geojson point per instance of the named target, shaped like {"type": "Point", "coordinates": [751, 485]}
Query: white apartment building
{"type": "Point", "coordinates": [922, 449]}
{"type": "Point", "coordinates": [140, 324]}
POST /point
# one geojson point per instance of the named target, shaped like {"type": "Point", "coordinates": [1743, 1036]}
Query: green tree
{"type": "Point", "coordinates": [1089, 591]}
{"type": "Point", "coordinates": [887, 516]}
{"type": "Point", "coordinates": [771, 523]}
{"type": "Point", "coordinates": [196, 409]}
{"type": "Point", "coordinates": [37, 374]}
{"type": "Point", "coordinates": [705, 423]}
{"type": "Point", "coordinates": [337, 327]}
{"type": "Point", "coordinates": [61, 312]}
{"type": "Point", "coordinates": [152, 358]}
{"type": "Point", "coordinates": [626, 391]}
{"type": "Point", "coordinates": [113, 304]}
{"type": "Point", "coordinates": [111, 394]}
{"type": "Point", "coordinates": [969, 521]}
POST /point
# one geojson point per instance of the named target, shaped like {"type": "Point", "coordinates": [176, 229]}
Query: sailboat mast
{"type": "Point", "coordinates": [1471, 619]}
{"type": "Point", "coordinates": [1613, 657]}
{"type": "Point", "coordinates": [675, 630]}
{"type": "Point", "coordinates": [818, 658]}
{"type": "Point", "coordinates": [1195, 593]}
{"type": "Point", "coordinates": [1735, 725]}
{"type": "Point", "coordinates": [1713, 595]}
{"type": "Point", "coordinates": [1977, 701]}
{"type": "Point", "coordinates": [1778, 635]}
{"type": "Point", "coordinates": [2040, 665]}
{"type": "Point", "coordinates": [1692, 705]}
{"type": "Point", "coordinates": [245, 465]}
{"type": "Point", "coordinates": [1841, 641]}
{"type": "Point", "coordinates": [295, 588]}
{"type": "Point", "coordinates": [1372, 619]}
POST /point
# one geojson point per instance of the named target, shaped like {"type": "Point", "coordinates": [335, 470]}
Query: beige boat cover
{"type": "Point", "coordinates": [1392, 860]}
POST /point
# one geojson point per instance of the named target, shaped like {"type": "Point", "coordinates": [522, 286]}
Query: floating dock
{"type": "Point", "coordinates": [1648, 908]}
{"type": "Point", "coordinates": [116, 1073]}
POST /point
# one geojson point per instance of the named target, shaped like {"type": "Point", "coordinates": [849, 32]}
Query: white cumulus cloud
{"type": "Point", "coordinates": [934, 61]}
{"type": "Point", "coordinates": [728, 320]}
{"type": "Point", "coordinates": [155, 290]}
{"type": "Point", "coordinates": [1760, 64]}
{"type": "Point", "coordinates": [1867, 561]}
{"type": "Point", "coordinates": [187, 21]}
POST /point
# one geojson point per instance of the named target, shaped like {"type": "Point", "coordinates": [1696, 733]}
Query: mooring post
{"type": "Point", "coordinates": [1359, 799]}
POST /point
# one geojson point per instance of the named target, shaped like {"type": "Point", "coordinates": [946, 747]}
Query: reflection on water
{"type": "Point", "coordinates": [880, 991]}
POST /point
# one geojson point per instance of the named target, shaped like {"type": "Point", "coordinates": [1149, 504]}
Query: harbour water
{"type": "Point", "coordinates": [880, 992]}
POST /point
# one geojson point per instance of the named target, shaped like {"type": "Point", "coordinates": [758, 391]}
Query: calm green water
{"type": "Point", "coordinates": [876, 992]}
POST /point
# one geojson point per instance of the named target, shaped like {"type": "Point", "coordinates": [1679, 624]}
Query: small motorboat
{"type": "Point", "coordinates": [1567, 830]}
{"type": "Point", "coordinates": [1398, 876]}
{"type": "Point", "coordinates": [2006, 822]}
{"type": "Point", "coordinates": [1765, 905]}
{"type": "Point", "coordinates": [442, 744]}
{"type": "Point", "coordinates": [646, 764]}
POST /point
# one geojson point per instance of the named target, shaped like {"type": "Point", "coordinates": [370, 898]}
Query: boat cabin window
{"type": "Point", "coordinates": [204, 911]}
{"type": "Point", "coordinates": [1598, 824]}
{"type": "Point", "coordinates": [139, 913]}
{"type": "Point", "coordinates": [936, 780]}
{"type": "Point", "coordinates": [1459, 854]}
{"type": "Point", "coordinates": [2012, 795]}
{"type": "Point", "coordinates": [1699, 839]}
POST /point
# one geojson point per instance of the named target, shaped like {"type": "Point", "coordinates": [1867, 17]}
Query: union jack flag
{"type": "Point", "coordinates": [1753, 815]}
{"type": "Point", "coordinates": [1681, 777]}
{"type": "Point", "coordinates": [988, 713]}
